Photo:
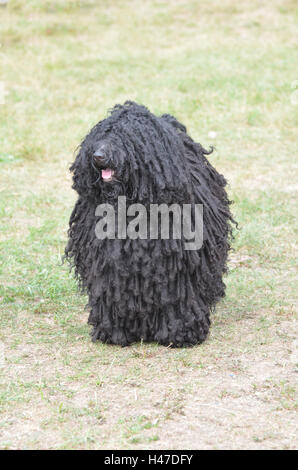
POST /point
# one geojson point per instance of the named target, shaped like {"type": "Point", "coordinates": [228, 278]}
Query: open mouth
{"type": "Point", "coordinates": [107, 174]}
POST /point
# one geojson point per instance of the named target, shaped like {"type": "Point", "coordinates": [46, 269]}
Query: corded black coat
{"type": "Point", "coordinates": [153, 290]}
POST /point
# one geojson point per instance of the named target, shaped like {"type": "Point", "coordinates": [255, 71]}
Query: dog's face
{"type": "Point", "coordinates": [133, 153]}
{"type": "Point", "coordinates": [100, 163]}
{"type": "Point", "coordinates": [108, 160]}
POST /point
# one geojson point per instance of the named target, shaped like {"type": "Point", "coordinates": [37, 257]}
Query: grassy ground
{"type": "Point", "coordinates": [227, 69]}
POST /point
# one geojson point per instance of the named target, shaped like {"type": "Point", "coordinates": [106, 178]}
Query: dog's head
{"type": "Point", "coordinates": [136, 154]}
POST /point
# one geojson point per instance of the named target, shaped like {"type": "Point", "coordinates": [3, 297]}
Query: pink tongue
{"type": "Point", "coordinates": [106, 174]}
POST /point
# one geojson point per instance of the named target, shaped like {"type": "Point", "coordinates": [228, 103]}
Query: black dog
{"type": "Point", "coordinates": [147, 289]}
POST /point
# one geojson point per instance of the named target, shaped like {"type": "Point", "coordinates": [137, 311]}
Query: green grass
{"type": "Point", "coordinates": [224, 68]}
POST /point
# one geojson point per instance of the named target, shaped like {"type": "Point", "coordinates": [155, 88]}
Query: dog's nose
{"type": "Point", "coordinates": [99, 152]}
{"type": "Point", "coordinates": [98, 156]}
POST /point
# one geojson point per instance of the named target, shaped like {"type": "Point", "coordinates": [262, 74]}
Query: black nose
{"type": "Point", "coordinates": [99, 156]}
{"type": "Point", "coordinates": [99, 152]}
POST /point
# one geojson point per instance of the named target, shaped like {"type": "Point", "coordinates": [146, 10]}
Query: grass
{"type": "Point", "coordinates": [224, 68]}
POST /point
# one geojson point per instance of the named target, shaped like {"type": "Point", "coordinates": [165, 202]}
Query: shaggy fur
{"type": "Point", "coordinates": [152, 290]}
